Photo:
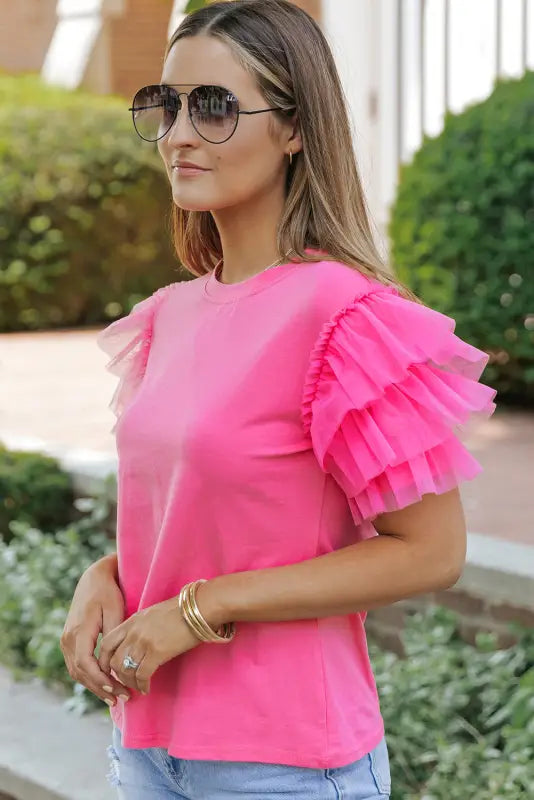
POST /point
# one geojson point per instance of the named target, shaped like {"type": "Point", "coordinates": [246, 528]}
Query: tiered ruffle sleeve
{"type": "Point", "coordinates": [127, 340]}
{"type": "Point", "coordinates": [389, 393]}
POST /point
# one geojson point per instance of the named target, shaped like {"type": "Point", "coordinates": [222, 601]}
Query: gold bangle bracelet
{"type": "Point", "coordinates": [191, 613]}
{"type": "Point", "coordinates": [198, 625]}
{"type": "Point", "coordinates": [196, 621]}
{"type": "Point", "coordinates": [187, 614]}
{"type": "Point", "coordinates": [212, 634]}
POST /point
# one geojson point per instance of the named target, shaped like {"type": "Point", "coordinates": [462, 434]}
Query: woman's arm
{"type": "Point", "coordinates": [110, 563]}
{"type": "Point", "coordinates": [422, 548]}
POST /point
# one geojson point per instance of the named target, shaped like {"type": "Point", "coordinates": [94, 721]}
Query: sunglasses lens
{"type": "Point", "coordinates": [214, 112]}
{"type": "Point", "coordinates": [154, 111]}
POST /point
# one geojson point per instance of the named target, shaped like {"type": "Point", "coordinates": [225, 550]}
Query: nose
{"type": "Point", "coordinates": [182, 129]}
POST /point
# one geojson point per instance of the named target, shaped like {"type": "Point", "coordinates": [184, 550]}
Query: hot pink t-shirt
{"type": "Point", "coordinates": [260, 424]}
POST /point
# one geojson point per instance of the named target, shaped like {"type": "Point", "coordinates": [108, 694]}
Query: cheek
{"type": "Point", "coordinates": [166, 159]}
{"type": "Point", "coordinates": [248, 164]}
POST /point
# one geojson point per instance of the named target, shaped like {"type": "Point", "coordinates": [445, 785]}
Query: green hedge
{"type": "Point", "coordinates": [462, 230]}
{"type": "Point", "coordinates": [84, 210]}
{"type": "Point", "coordinates": [459, 719]}
{"type": "Point", "coordinates": [38, 576]}
{"type": "Point", "coordinates": [33, 489]}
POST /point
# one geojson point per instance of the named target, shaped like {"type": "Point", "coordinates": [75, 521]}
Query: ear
{"type": "Point", "coordinates": [294, 142]}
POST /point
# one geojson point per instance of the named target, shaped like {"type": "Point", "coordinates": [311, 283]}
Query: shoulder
{"type": "Point", "coordinates": [151, 303]}
{"type": "Point", "coordinates": [143, 314]}
{"type": "Point", "coordinates": [335, 285]}
{"type": "Point", "coordinates": [138, 321]}
{"type": "Point", "coordinates": [158, 297]}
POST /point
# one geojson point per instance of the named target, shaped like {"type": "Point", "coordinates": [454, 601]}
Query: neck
{"type": "Point", "coordinates": [248, 237]}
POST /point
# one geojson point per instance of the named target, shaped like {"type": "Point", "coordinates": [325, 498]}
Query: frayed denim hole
{"type": "Point", "coordinates": [113, 775]}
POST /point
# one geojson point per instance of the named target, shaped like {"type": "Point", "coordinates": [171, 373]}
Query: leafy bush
{"type": "Point", "coordinates": [195, 5]}
{"type": "Point", "coordinates": [85, 208]}
{"type": "Point", "coordinates": [459, 719]}
{"type": "Point", "coordinates": [33, 489]}
{"type": "Point", "coordinates": [38, 576]}
{"type": "Point", "coordinates": [462, 230]}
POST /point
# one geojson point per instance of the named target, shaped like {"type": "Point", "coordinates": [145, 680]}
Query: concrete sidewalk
{"type": "Point", "coordinates": [58, 393]}
{"type": "Point", "coordinates": [47, 753]}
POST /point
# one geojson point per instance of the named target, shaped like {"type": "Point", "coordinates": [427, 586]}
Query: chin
{"type": "Point", "coordinates": [191, 205]}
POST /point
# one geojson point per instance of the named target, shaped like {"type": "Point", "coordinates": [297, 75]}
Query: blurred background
{"type": "Point", "coordinates": [441, 96]}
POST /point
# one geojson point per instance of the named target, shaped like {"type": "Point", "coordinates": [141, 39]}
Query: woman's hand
{"type": "Point", "coordinates": [150, 637]}
{"type": "Point", "coordinates": [97, 607]}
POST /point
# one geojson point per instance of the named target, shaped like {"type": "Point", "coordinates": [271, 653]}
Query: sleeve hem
{"type": "Point", "coordinates": [128, 341]}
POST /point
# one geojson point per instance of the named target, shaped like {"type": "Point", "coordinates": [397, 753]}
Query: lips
{"type": "Point", "coordinates": [187, 165]}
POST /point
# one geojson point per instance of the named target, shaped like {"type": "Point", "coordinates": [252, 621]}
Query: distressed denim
{"type": "Point", "coordinates": [151, 773]}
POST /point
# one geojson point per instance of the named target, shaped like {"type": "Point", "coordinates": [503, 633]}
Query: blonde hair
{"type": "Point", "coordinates": [284, 49]}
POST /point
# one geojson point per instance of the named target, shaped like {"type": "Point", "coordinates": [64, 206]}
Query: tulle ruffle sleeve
{"type": "Point", "coordinates": [389, 394]}
{"type": "Point", "coordinates": [127, 340]}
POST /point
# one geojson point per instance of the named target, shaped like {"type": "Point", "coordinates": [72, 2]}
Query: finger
{"type": "Point", "coordinates": [102, 691]}
{"type": "Point", "coordinates": [124, 674]}
{"type": "Point", "coordinates": [116, 689]}
{"type": "Point", "coordinates": [144, 672]}
{"type": "Point", "coordinates": [88, 672]}
{"type": "Point", "coordinates": [76, 663]}
{"type": "Point", "coordinates": [114, 674]}
{"type": "Point", "coordinates": [108, 646]}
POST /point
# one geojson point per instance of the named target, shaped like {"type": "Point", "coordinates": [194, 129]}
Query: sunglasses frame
{"type": "Point", "coordinates": [188, 95]}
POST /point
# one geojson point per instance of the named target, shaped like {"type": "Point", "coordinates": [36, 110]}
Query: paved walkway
{"type": "Point", "coordinates": [47, 753]}
{"type": "Point", "coordinates": [56, 389]}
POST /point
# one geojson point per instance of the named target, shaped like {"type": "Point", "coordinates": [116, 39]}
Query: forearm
{"type": "Point", "coordinates": [372, 573]}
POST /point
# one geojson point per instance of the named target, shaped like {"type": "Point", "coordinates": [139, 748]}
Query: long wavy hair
{"type": "Point", "coordinates": [325, 209]}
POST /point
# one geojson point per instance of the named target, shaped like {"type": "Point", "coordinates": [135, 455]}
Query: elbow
{"type": "Point", "coordinates": [449, 577]}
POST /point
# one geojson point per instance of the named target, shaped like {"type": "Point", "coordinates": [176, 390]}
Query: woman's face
{"type": "Point", "coordinates": [250, 162]}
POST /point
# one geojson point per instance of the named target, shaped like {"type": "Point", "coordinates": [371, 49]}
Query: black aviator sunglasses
{"type": "Point", "coordinates": [213, 110]}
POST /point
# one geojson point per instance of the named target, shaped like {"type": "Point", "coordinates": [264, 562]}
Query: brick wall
{"type": "Point", "coordinates": [137, 42]}
{"type": "Point", "coordinates": [134, 42]}
{"type": "Point", "coordinates": [313, 7]}
{"type": "Point", "coordinates": [26, 30]}
{"type": "Point", "coordinates": [476, 614]}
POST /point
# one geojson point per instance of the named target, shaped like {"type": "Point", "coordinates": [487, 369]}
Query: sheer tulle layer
{"type": "Point", "coordinates": [127, 341]}
{"type": "Point", "coordinates": [390, 392]}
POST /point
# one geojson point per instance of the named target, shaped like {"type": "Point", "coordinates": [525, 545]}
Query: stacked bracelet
{"type": "Point", "coordinates": [190, 611]}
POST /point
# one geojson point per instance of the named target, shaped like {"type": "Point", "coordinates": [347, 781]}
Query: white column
{"type": "Point", "coordinates": [388, 100]}
{"type": "Point", "coordinates": [76, 42]}
{"type": "Point", "coordinates": [352, 29]}
{"type": "Point", "coordinates": [177, 15]}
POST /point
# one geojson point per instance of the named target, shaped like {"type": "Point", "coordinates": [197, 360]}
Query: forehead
{"type": "Point", "coordinates": [205, 60]}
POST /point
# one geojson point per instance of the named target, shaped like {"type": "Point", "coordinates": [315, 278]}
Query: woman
{"type": "Point", "coordinates": [288, 435]}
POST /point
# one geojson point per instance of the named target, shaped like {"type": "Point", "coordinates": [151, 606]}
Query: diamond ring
{"type": "Point", "coordinates": [129, 663]}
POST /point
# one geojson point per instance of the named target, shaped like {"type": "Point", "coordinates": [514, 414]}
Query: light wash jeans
{"type": "Point", "coordinates": [150, 773]}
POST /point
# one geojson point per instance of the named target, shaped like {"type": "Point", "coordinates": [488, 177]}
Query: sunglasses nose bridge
{"type": "Point", "coordinates": [179, 94]}
{"type": "Point", "coordinates": [185, 109]}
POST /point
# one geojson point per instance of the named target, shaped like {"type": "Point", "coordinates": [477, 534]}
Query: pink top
{"type": "Point", "coordinates": [263, 423]}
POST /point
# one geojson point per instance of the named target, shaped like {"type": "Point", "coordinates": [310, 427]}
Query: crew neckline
{"type": "Point", "coordinates": [226, 292]}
